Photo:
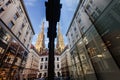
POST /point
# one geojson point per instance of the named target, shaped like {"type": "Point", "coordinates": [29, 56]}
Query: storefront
{"type": "Point", "coordinates": [102, 61]}
{"type": "Point", "coordinates": [12, 54]}
{"type": "Point", "coordinates": [108, 26]}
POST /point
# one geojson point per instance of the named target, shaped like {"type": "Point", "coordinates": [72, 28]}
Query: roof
{"type": "Point", "coordinates": [46, 52]}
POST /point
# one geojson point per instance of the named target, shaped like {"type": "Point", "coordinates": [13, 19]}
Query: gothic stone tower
{"type": "Point", "coordinates": [40, 43]}
{"type": "Point", "coordinates": [60, 41]}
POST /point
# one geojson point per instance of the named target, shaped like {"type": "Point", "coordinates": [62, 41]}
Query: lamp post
{"type": "Point", "coordinates": [52, 16]}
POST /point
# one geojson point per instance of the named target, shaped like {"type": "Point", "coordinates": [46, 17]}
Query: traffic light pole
{"type": "Point", "coordinates": [51, 64]}
{"type": "Point", "coordinates": [52, 15]}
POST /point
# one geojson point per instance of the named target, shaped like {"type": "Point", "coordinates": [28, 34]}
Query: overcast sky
{"type": "Point", "coordinates": [36, 12]}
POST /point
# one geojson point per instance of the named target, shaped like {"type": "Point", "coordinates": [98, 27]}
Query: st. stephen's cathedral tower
{"type": "Point", "coordinates": [40, 43]}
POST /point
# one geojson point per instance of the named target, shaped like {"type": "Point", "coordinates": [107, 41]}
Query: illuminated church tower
{"type": "Point", "coordinates": [60, 41]}
{"type": "Point", "coordinates": [40, 43]}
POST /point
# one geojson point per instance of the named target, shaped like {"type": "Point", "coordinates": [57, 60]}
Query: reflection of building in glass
{"type": "Point", "coordinates": [43, 52]}
{"type": "Point", "coordinates": [65, 62]}
{"type": "Point", "coordinates": [44, 64]}
{"type": "Point", "coordinates": [31, 70]}
{"type": "Point", "coordinates": [15, 37]}
{"type": "Point", "coordinates": [95, 53]}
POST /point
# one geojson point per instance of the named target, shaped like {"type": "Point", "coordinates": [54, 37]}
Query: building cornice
{"type": "Point", "coordinates": [25, 10]}
{"type": "Point", "coordinates": [74, 16]}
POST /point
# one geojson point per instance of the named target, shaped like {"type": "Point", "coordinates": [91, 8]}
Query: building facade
{"type": "Point", "coordinates": [44, 64]}
{"type": "Point", "coordinates": [16, 33]}
{"type": "Point", "coordinates": [96, 51]}
{"type": "Point", "coordinates": [31, 70]}
{"type": "Point", "coordinates": [65, 62]}
{"type": "Point", "coordinates": [44, 53]}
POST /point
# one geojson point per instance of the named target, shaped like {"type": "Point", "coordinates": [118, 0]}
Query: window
{"type": "Point", "coordinates": [10, 24]}
{"type": "Point", "coordinates": [1, 10]}
{"type": "Point", "coordinates": [75, 29]}
{"type": "Point", "coordinates": [20, 9]}
{"type": "Point", "coordinates": [94, 15]}
{"type": "Point", "coordinates": [45, 66]}
{"type": "Point", "coordinates": [8, 3]}
{"type": "Point", "coordinates": [98, 10]}
{"type": "Point", "coordinates": [23, 25]}
{"type": "Point", "coordinates": [57, 65]}
{"type": "Point", "coordinates": [46, 59]}
{"type": "Point", "coordinates": [57, 58]}
{"type": "Point", "coordinates": [41, 66]}
{"type": "Point", "coordinates": [71, 34]}
{"type": "Point", "coordinates": [77, 36]}
{"type": "Point", "coordinates": [41, 59]}
{"type": "Point", "coordinates": [79, 21]}
{"type": "Point", "coordinates": [69, 39]}
{"type": "Point", "coordinates": [19, 34]}
{"type": "Point", "coordinates": [83, 29]}
{"type": "Point", "coordinates": [27, 33]}
{"type": "Point", "coordinates": [16, 16]}
{"type": "Point", "coordinates": [24, 40]}
{"type": "Point", "coordinates": [27, 45]}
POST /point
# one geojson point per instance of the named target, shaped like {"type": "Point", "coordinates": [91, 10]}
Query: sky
{"type": "Point", "coordinates": [36, 13]}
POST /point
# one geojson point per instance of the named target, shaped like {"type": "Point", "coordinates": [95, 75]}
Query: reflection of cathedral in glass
{"type": "Point", "coordinates": [95, 54]}
{"type": "Point", "coordinates": [43, 52]}
{"type": "Point", "coordinates": [40, 43]}
{"type": "Point", "coordinates": [60, 41]}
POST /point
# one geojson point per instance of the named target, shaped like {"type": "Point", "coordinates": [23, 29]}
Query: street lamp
{"type": "Point", "coordinates": [52, 15]}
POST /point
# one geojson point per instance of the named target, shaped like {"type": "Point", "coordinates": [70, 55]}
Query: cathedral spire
{"type": "Point", "coordinates": [40, 43]}
{"type": "Point", "coordinates": [59, 28]}
{"type": "Point", "coordinates": [60, 41]}
{"type": "Point", "coordinates": [42, 28]}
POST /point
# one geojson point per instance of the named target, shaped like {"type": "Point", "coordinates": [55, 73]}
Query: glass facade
{"type": "Point", "coordinates": [12, 54]}
{"type": "Point", "coordinates": [96, 55]}
{"type": "Point", "coordinates": [108, 26]}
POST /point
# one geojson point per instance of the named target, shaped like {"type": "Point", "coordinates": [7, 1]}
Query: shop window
{"type": "Point", "coordinates": [100, 57]}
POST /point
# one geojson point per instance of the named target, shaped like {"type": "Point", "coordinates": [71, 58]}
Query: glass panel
{"type": "Point", "coordinates": [85, 60]}
{"type": "Point", "coordinates": [101, 58]}
{"type": "Point", "coordinates": [108, 25]}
